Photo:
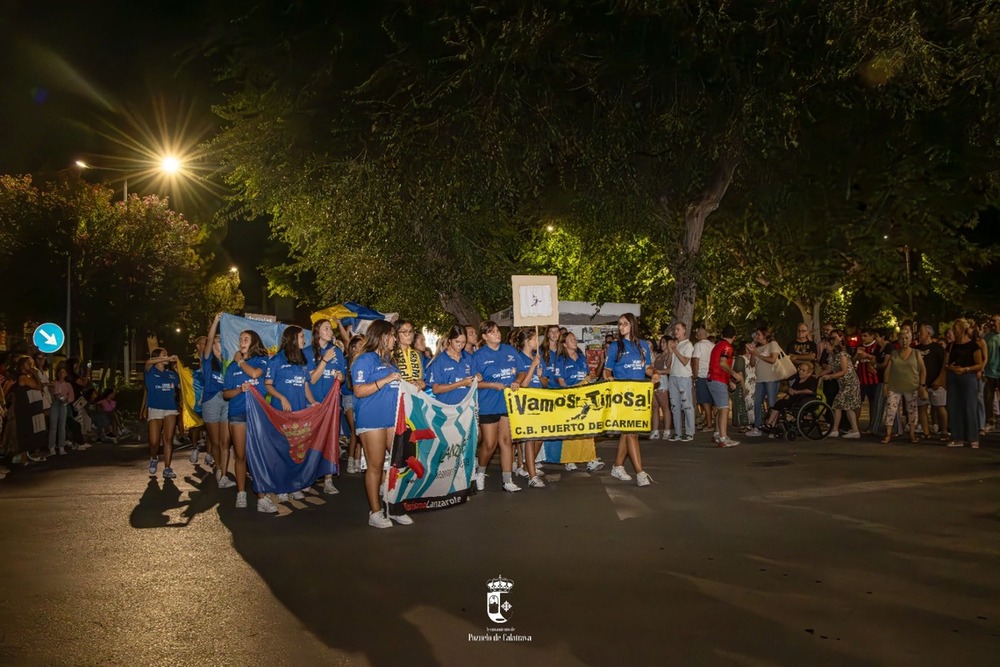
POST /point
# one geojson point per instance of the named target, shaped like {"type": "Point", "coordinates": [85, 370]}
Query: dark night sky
{"type": "Point", "coordinates": [72, 71]}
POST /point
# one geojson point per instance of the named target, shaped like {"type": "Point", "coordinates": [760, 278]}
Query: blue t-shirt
{"type": "Point", "coordinates": [631, 366]}
{"type": "Point", "coordinates": [523, 364]}
{"type": "Point", "coordinates": [289, 380]}
{"type": "Point", "coordinates": [572, 372]}
{"type": "Point", "coordinates": [379, 409]}
{"type": "Point", "coordinates": [445, 370]}
{"type": "Point", "coordinates": [211, 380]}
{"type": "Point", "coordinates": [324, 384]}
{"type": "Point", "coordinates": [235, 377]}
{"type": "Point", "coordinates": [161, 388]}
{"type": "Point", "coordinates": [549, 368]}
{"type": "Point", "coordinates": [499, 366]}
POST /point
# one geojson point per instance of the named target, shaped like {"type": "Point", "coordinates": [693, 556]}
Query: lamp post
{"type": "Point", "coordinates": [169, 165]}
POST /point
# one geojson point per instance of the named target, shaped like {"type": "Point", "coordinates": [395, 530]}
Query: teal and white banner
{"type": "Point", "coordinates": [434, 451]}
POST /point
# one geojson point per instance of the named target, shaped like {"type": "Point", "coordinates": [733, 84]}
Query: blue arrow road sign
{"type": "Point", "coordinates": [49, 337]}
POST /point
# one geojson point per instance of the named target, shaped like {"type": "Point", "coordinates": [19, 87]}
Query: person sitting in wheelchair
{"type": "Point", "coordinates": [801, 389]}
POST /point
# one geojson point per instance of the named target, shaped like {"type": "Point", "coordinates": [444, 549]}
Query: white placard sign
{"type": "Point", "coordinates": [536, 300]}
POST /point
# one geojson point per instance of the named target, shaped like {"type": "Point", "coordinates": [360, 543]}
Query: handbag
{"type": "Point", "coordinates": [784, 367]}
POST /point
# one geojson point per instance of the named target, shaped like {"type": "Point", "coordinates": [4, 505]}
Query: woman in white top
{"type": "Point", "coordinates": [763, 354]}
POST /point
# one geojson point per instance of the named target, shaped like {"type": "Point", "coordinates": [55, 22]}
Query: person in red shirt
{"type": "Point", "coordinates": [720, 371]}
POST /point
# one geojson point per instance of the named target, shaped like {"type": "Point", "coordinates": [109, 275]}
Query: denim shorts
{"type": "Point", "coordinates": [215, 409]}
{"type": "Point", "coordinates": [719, 392]}
{"type": "Point", "coordinates": [346, 402]}
{"type": "Point", "coordinates": [238, 419]}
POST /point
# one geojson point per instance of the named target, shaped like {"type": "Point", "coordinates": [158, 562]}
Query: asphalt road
{"type": "Point", "coordinates": [830, 553]}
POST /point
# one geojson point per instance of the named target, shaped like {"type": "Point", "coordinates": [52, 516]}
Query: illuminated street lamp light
{"type": "Point", "coordinates": [170, 165]}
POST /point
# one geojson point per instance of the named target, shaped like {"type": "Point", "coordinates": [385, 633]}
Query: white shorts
{"type": "Point", "coordinates": [156, 413]}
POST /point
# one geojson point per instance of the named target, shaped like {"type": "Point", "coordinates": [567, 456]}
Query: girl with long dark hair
{"type": "Point", "coordinates": [246, 371]}
{"type": "Point", "coordinates": [629, 358]}
{"type": "Point", "coordinates": [530, 374]}
{"type": "Point", "coordinates": [376, 391]}
{"type": "Point", "coordinates": [450, 374]}
{"type": "Point", "coordinates": [325, 364]}
{"type": "Point", "coordinates": [162, 385]}
{"type": "Point", "coordinates": [215, 408]}
{"type": "Point", "coordinates": [497, 364]}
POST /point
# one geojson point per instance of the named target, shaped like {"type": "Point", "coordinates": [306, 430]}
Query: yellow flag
{"type": "Point", "coordinates": [189, 416]}
{"type": "Point", "coordinates": [337, 312]}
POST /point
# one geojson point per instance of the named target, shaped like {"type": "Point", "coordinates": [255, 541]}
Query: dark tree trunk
{"type": "Point", "coordinates": [460, 307]}
{"type": "Point", "coordinates": [687, 271]}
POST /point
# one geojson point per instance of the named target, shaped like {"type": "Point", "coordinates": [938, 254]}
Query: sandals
{"type": "Point", "coordinates": [886, 440]}
{"type": "Point", "coordinates": [914, 440]}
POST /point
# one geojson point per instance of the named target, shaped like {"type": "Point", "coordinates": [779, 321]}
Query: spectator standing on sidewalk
{"type": "Point", "coordinates": [699, 366]}
{"type": "Point", "coordinates": [62, 397]}
{"type": "Point", "coordinates": [802, 348]}
{"type": "Point", "coordinates": [991, 372]}
{"type": "Point", "coordinates": [848, 398]}
{"type": "Point", "coordinates": [763, 354]}
{"type": "Point", "coordinates": [720, 372]}
{"type": "Point", "coordinates": [681, 398]}
{"type": "Point", "coordinates": [866, 361]}
{"type": "Point", "coordinates": [964, 361]}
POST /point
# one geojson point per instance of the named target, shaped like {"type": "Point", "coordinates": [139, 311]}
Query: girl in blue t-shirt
{"type": "Point", "coordinates": [450, 374]}
{"type": "Point", "coordinates": [549, 352]}
{"type": "Point", "coordinates": [376, 391]}
{"type": "Point", "coordinates": [496, 363]}
{"type": "Point", "coordinates": [326, 365]}
{"type": "Point", "coordinates": [530, 374]}
{"type": "Point", "coordinates": [162, 386]}
{"type": "Point", "coordinates": [572, 369]}
{"type": "Point", "coordinates": [629, 358]}
{"type": "Point", "coordinates": [214, 408]}
{"type": "Point", "coordinates": [355, 457]}
{"type": "Point", "coordinates": [246, 371]}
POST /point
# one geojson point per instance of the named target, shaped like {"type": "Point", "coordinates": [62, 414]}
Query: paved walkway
{"type": "Point", "coordinates": [829, 553]}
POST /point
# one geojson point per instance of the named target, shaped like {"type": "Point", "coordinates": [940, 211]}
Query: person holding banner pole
{"type": "Point", "coordinates": [450, 373]}
{"type": "Point", "coordinates": [246, 371]}
{"type": "Point", "coordinates": [376, 391]}
{"type": "Point", "coordinates": [629, 358]}
{"type": "Point", "coordinates": [214, 408]}
{"type": "Point", "coordinates": [326, 365]}
{"type": "Point", "coordinates": [162, 388]}
{"type": "Point", "coordinates": [530, 375]}
{"type": "Point", "coordinates": [496, 363]}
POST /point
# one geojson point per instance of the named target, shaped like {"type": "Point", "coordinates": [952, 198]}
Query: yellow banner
{"type": "Point", "coordinates": [578, 412]}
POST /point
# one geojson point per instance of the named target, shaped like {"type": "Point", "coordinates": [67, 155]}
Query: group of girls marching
{"type": "Point", "coordinates": [299, 376]}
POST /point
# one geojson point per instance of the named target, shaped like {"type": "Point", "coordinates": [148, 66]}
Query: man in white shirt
{"type": "Point", "coordinates": [681, 401]}
{"type": "Point", "coordinates": [699, 365]}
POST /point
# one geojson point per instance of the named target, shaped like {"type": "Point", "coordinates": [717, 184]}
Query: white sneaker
{"type": "Point", "coordinates": [265, 505]}
{"type": "Point", "coordinates": [570, 467]}
{"type": "Point", "coordinates": [282, 498]}
{"type": "Point", "coordinates": [209, 461]}
{"type": "Point", "coordinates": [618, 472]}
{"type": "Point", "coordinates": [194, 455]}
{"type": "Point", "coordinates": [536, 482]}
{"type": "Point", "coordinates": [754, 433]}
{"type": "Point", "coordinates": [521, 472]}
{"type": "Point", "coordinates": [853, 435]}
{"type": "Point", "coordinates": [643, 478]}
{"type": "Point", "coordinates": [226, 483]}
{"type": "Point", "coordinates": [241, 499]}
{"type": "Point", "coordinates": [654, 435]}
{"type": "Point", "coordinates": [538, 471]}
{"type": "Point", "coordinates": [727, 442]}
{"type": "Point", "coordinates": [362, 463]}
{"type": "Point", "coordinates": [665, 435]}
{"type": "Point", "coordinates": [595, 465]}
{"type": "Point", "coordinates": [715, 437]}
{"type": "Point", "coordinates": [298, 495]}
{"type": "Point", "coordinates": [379, 520]}
{"type": "Point", "coordinates": [386, 462]}
{"type": "Point", "coordinates": [352, 466]}
{"type": "Point", "coordinates": [401, 519]}
{"type": "Point", "coordinates": [328, 488]}
{"type": "Point", "coordinates": [480, 478]}
{"type": "Point", "coordinates": [833, 434]}
{"type": "Point", "coordinates": [511, 487]}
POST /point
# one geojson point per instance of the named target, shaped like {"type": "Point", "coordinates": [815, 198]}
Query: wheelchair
{"type": "Point", "coordinates": [812, 419]}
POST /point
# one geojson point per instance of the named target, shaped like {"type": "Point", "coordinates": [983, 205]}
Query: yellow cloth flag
{"type": "Point", "coordinates": [584, 411]}
{"type": "Point", "coordinates": [189, 416]}
{"type": "Point", "coordinates": [337, 312]}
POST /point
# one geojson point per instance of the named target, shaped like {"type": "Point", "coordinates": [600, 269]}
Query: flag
{"type": "Point", "coordinates": [338, 312]}
{"type": "Point", "coordinates": [578, 450]}
{"type": "Point", "coordinates": [288, 451]}
{"type": "Point", "coordinates": [189, 398]}
{"type": "Point", "coordinates": [618, 406]}
{"type": "Point", "coordinates": [231, 326]}
{"type": "Point", "coordinates": [433, 452]}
